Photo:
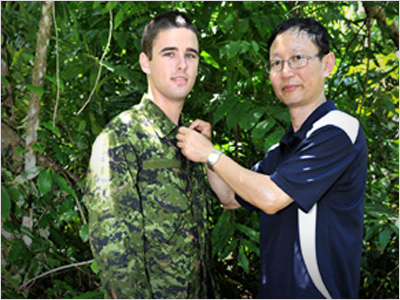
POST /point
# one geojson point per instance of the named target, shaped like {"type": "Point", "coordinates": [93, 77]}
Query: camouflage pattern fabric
{"type": "Point", "coordinates": [147, 210]}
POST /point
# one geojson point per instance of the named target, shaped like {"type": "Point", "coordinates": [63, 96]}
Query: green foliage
{"type": "Point", "coordinates": [232, 92]}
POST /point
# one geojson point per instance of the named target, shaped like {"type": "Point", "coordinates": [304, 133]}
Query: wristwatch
{"type": "Point", "coordinates": [213, 158]}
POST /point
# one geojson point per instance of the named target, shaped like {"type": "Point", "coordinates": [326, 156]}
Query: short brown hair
{"type": "Point", "coordinates": [171, 19]}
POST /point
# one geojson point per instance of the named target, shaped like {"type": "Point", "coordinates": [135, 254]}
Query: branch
{"type": "Point", "coordinates": [9, 137]}
{"type": "Point", "coordinates": [57, 65]}
{"type": "Point", "coordinates": [101, 61]}
{"type": "Point", "coordinates": [25, 284]}
{"type": "Point", "coordinates": [377, 12]}
{"type": "Point", "coordinates": [366, 72]}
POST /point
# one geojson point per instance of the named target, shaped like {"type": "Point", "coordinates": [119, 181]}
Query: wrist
{"type": "Point", "coordinates": [213, 158]}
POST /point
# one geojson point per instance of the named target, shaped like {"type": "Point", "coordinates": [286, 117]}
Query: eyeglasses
{"type": "Point", "coordinates": [295, 62]}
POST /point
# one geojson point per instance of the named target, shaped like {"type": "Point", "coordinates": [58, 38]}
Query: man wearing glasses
{"type": "Point", "coordinates": [309, 188]}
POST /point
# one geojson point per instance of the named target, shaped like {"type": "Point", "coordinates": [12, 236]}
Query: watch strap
{"type": "Point", "coordinates": [213, 158]}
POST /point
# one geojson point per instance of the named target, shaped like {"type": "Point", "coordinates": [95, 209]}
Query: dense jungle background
{"type": "Point", "coordinates": [67, 68]}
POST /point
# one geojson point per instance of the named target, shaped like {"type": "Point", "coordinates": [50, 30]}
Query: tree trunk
{"type": "Point", "coordinates": [7, 101]}
{"type": "Point", "coordinates": [39, 71]}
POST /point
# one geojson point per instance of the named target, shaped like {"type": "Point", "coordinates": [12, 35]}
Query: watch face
{"type": "Point", "coordinates": [213, 157]}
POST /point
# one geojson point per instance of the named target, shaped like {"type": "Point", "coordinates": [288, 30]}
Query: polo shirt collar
{"type": "Point", "coordinates": [157, 118]}
{"type": "Point", "coordinates": [321, 111]}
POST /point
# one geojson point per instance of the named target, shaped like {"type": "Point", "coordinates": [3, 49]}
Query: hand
{"type": "Point", "coordinates": [203, 127]}
{"type": "Point", "coordinates": [194, 145]}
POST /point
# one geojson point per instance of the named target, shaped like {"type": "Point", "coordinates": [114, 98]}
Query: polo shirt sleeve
{"type": "Point", "coordinates": [317, 163]}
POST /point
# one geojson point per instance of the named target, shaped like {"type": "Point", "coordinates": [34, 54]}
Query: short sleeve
{"type": "Point", "coordinates": [317, 163]}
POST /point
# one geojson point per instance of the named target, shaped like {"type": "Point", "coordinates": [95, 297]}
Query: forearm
{"type": "Point", "coordinates": [257, 189]}
{"type": "Point", "coordinates": [224, 193]}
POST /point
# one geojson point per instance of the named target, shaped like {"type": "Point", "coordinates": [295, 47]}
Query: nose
{"type": "Point", "coordinates": [182, 63]}
{"type": "Point", "coordinates": [286, 70]}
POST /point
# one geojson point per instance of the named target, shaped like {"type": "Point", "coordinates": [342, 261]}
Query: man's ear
{"type": "Point", "coordinates": [144, 63]}
{"type": "Point", "coordinates": [329, 63]}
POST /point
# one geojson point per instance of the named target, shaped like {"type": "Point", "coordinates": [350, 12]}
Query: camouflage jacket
{"type": "Point", "coordinates": [147, 209]}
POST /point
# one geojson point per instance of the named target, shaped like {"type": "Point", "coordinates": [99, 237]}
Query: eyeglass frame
{"type": "Point", "coordinates": [307, 59]}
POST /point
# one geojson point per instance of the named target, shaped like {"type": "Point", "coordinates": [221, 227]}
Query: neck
{"type": "Point", "coordinates": [299, 114]}
{"type": "Point", "coordinates": [171, 108]}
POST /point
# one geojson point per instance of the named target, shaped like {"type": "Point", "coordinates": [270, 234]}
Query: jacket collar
{"type": "Point", "coordinates": [157, 118]}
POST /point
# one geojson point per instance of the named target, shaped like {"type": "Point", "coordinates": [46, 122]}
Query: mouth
{"type": "Point", "coordinates": [180, 79]}
{"type": "Point", "coordinates": [289, 87]}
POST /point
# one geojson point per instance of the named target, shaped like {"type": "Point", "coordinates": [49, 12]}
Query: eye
{"type": "Point", "coordinates": [298, 57]}
{"type": "Point", "coordinates": [168, 54]}
{"type": "Point", "coordinates": [191, 55]}
{"type": "Point", "coordinates": [275, 63]}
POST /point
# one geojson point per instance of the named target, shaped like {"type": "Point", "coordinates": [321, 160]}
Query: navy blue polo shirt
{"type": "Point", "coordinates": [312, 248]}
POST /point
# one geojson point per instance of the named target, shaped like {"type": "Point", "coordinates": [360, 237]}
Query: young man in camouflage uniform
{"type": "Point", "coordinates": [147, 202]}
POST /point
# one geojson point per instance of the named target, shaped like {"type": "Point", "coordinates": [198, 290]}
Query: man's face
{"type": "Point", "coordinates": [172, 71]}
{"type": "Point", "coordinates": [299, 87]}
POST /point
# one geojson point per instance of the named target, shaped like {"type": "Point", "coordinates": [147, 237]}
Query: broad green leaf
{"type": "Point", "coordinates": [273, 138]}
{"type": "Point", "coordinates": [35, 267]}
{"type": "Point", "coordinates": [118, 19]}
{"type": "Point", "coordinates": [228, 249]}
{"type": "Point", "coordinates": [222, 232]}
{"type": "Point", "coordinates": [209, 59]}
{"type": "Point", "coordinates": [262, 128]}
{"type": "Point", "coordinates": [84, 233]}
{"type": "Point", "coordinates": [250, 118]}
{"type": "Point", "coordinates": [243, 259]}
{"type": "Point", "coordinates": [236, 114]}
{"type": "Point", "coordinates": [44, 182]}
{"type": "Point", "coordinates": [16, 196]}
{"type": "Point", "coordinates": [82, 125]}
{"type": "Point", "coordinates": [53, 79]}
{"type": "Point", "coordinates": [121, 38]}
{"type": "Point", "coordinates": [18, 248]}
{"type": "Point", "coordinates": [243, 71]}
{"type": "Point", "coordinates": [36, 89]}
{"type": "Point", "coordinates": [250, 232]}
{"type": "Point", "coordinates": [228, 104]}
{"type": "Point", "coordinates": [5, 202]}
{"type": "Point", "coordinates": [251, 246]}
{"type": "Point", "coordinates": [64, 185]}
{"type": "Point", "coordinates": [94, 267]}
{"type": "Point", "coordinates": [255, 46]}
{"type": "Point", "coordinates": [384, 238]}
{"type": "Point", "coordinates": [53, 128]}
{"type": "Point", "coordinates": [230, 50]}
{"type": "Point", "coordinates": [69, 216]}
{"type": "Point", "coordinates": [3, 78]}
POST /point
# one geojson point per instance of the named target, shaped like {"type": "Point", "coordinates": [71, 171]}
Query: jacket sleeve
{"type": "Point", "coordinates": [115, 218]}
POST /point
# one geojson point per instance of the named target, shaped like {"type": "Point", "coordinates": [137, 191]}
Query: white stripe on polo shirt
{"type": "Point", "coordinates": [308, 221]}
{"type": "Point", "coordinates": [347, 123]}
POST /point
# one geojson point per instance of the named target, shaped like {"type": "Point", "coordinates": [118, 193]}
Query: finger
{"type": "Point", "coordinates": [196, 123]}
{"type": "Point", "coordinates": [202, 127]}
{"type": "Point", "coordinates": [199, 125]}
{"type": "Point", "coordinates": [183, 130]}
{"type": "Point", "coordinates": [180, 144]}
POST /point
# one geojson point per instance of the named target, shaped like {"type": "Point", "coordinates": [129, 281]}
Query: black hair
{"type": "Point", "coordinates": [171, 19]}
{"type": "Point", "coordinates": [315, 30]}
